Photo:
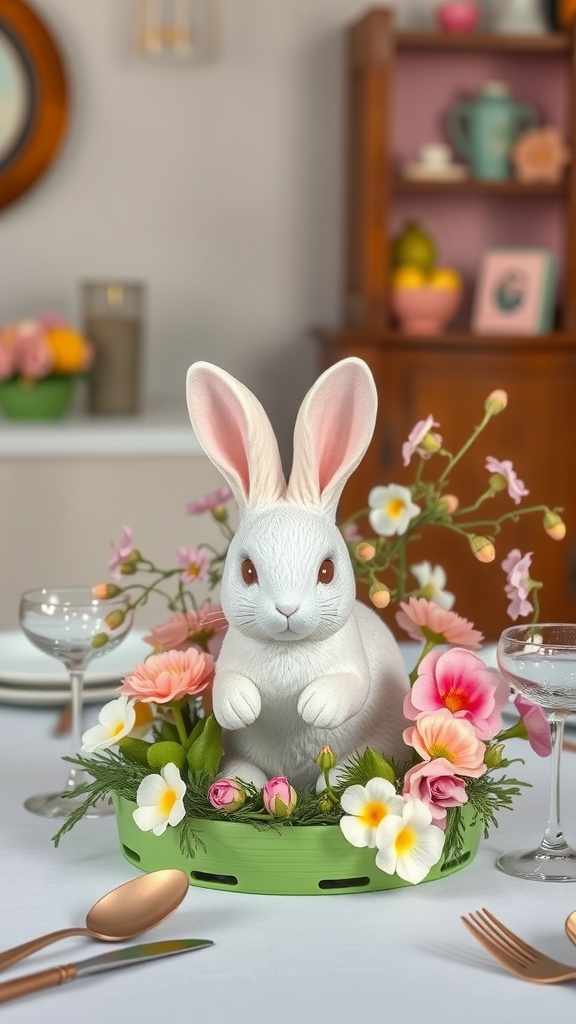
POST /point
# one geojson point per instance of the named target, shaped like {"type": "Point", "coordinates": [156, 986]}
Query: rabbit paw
{"type": "Point", "coordinates": [330, 701]}
{"type": "Point", "coordinates": [237, 704]}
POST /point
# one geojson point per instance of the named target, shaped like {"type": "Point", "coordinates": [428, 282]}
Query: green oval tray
{"type": "Point", "coordinates": [287, 861]}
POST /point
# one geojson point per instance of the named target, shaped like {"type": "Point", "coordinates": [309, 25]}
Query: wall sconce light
{"type": "Point", "coordinates": [177, 28]}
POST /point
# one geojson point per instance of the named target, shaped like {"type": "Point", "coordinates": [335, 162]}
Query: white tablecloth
{"type": "Point", "coordinates": [399, 956]}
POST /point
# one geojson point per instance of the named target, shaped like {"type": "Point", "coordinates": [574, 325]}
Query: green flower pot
{"type": "Point", "coordinates": [45, 399]}
{"type": "Point", "coordinates": [310, 860]}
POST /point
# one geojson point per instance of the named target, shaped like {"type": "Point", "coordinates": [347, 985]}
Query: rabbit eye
{"type": "Point", "coordinates": [326, 571]}
{"type": "Point", "coordinates": [249, 574]}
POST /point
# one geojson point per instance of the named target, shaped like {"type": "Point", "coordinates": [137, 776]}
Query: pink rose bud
{"type": "Point", "coordinates": [482, 549]}
{"type": "Point", "coordinates": [496, 402]}
{"type": "Point", "coordinates": [227, 795]}
{"type": "Point", "coordinates": [279, 797]}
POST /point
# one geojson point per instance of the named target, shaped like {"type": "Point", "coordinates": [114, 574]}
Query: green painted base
{"type": "Point", "coordinates": [299, 861]}
{"type": "Point", "coordinates": [46, 399]}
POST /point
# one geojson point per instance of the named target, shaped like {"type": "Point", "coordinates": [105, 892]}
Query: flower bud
{"type": "Point", "coordinates": [279, 797]}
{"type": "Point", "coordinates": [430, 443]}
{"type": "Point", "coordinates": [448, 503]}
{"type": "Point", "coordinates": [227, 795]}
{"type": "Point", "coordinates": [482, 549]}
{"type": "Point", "coordinates": [127, 569]}
{"type": "Point", "coordinates": [555, 526]}
{"type": "Point", "coordinates": [100, 640]}
{"type": "Point", "coordinates": [493, 755]}
{"type": "Point", "coordinates": [115, 619]}
{"type": "Point", "coordinates": [496, 402]}
{"type": "Point", "coordinates": [498, 482]}
{"type": "Point", "coordinates": [102, 591]}
{"type": "Point", "coordinates": [325, 805]}
{"type": "Point", "coordinates": [326, 759]}
{"type": "Point", "coordinates": [365, 551]}
{"type": "Point", "coordinates": [220, 513]}
{"type": "Point", "coordinates": [379, 595]}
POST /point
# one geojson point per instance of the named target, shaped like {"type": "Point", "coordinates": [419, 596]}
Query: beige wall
{"type": "Point", "coordinates": [59, 516]}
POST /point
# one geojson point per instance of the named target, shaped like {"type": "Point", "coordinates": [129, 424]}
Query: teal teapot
{"type": "Point", "coordinates": [483, 129]}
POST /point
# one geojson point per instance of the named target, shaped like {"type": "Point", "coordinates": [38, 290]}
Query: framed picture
{"type": "Point", "coordinates": [33, 99]}
{"type": "Point", "coordinates": [516, 292]}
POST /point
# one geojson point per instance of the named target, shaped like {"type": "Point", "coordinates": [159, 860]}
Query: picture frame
{"type": "Point", "coordinates": [516, 292]}
{"type": "Point", "coordinates": [34, 99]}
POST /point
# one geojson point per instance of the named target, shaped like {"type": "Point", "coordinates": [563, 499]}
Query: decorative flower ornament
{"type": "Point", "coordinates": [365, 807]}
{"type": "Point", "coordinates": [408, 843]}
{"type": "Point", "coordinates": [115, 720]}
{"type": "Point", "coordinates": [391, 509]}
{"type": "Point", "coordinates": [160, 800]}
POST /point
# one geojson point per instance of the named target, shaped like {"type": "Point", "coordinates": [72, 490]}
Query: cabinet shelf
{"type": "Point", "coordinates": [390, 338]}
{"type": "Point", "coordinates": [471, 186]}
{"type": "Point", "coordinates": [484, 42]}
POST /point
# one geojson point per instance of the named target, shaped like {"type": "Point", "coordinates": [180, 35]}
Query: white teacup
{"type": "Point", "coordinates": [435, 155]}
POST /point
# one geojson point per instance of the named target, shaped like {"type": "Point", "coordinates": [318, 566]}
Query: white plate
{"type": "Point", "coordinates": [49, 696]}
{"type": "Point", "coordinates": [23, 664]}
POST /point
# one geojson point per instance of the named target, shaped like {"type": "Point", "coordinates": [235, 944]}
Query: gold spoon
{"type": "Point", "coordinates": [126, 911]}
{"type": "Point", "coordinates": [570, 926]}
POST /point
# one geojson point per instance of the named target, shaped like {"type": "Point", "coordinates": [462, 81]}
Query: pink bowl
{"type": "Point", "coordinates": [424, 310]}
{"type": "Point", "coordinates": [458, 16]}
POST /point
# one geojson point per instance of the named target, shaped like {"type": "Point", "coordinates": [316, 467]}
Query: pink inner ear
{"type": "Point", "coordinates": [223, 421]}
{"type": "Point", "coordinates": [338, 428]}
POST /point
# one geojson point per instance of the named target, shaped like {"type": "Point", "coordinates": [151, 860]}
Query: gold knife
{"type": "Point", "coordinates": [119, 958]}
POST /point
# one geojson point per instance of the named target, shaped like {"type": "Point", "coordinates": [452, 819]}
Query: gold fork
{"type": "Point", "coordinates": [515, 954]}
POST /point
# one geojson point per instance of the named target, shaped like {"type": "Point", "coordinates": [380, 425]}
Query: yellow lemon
{"type": "Point", "coordinates": [445, 279]}
{"type": "Point", "coordinates": [69, 350]}
{"type": "Point", "coordinates": [408, 277]}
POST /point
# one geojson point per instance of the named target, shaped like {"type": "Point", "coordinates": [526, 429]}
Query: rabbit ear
{"type": "Point", "coordinates": [333, 430]}
{"type": "Point", "coordinates": [235, 433]}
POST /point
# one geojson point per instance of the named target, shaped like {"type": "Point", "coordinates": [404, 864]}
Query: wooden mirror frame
{"type": "Point", "coordinates": [47, 117]}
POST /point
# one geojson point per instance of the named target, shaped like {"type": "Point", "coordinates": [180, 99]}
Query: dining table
{"type": "Point", "coordinates": [400, 955]}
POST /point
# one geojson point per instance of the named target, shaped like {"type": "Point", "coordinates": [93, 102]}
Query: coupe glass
{"type": "Point", "coordinates": [539, 661]}
{"type": "Point", "coordinates": [69, 624]}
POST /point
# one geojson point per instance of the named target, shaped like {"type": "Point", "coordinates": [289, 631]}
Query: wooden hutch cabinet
{"type": "Point", "coordinates": [450, 375]}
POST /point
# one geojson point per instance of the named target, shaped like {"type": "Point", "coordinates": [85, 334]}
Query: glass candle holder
{"type": "Point", "coordinates": [113, 316]}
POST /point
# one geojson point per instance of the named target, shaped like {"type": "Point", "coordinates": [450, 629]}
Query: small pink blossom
{"type": "Point", "coordinates": [517, 587]}
{"type": "Point", "coordinates": [424, 620]}
{"type": "Point", "coordinates": [183, 629]}
{"type": "Point", "coordinates": [194, 562]}
{"type": "Point", "coordinates": [536, 725]}
{"type": "Point", "coordinates": [351, 532]}
{"type": "Point", "coordinates": [279, 797]}
{"type": "Point", "coordinates": [442, 735]}
{"type": "Point", "coordinates": [516, 488]}
{"type": "Point", "coordinates": [122, 552]}
{"type": "Point", "coordinates": [7, 356]}
{"type": "Point", "coordinates": [459, 681]}
{"type": "Point", "coordinates": [227, 795]}
{"type": "Point", "coordinates": [416, 436]}
{"type": "Point", "coordinates": [170, 676]}
{"type": "Point", "coordinates": [33, 354]}
{"type": "Point", "coordinates": [436, 784]}
{"type": "Point", "coordinates": [209, 502]}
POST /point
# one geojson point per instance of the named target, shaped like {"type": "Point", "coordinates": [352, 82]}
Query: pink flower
{"type": "Point", "coordinates": [459, 681]}
{"type": "Point", "coordinates": [436, 785]}
{"type": "Point", "coordinates": [536, 725]}
{"type": "Point", "coordinates": [209, 502]}
{"type": "Point", "coordinates": [33, 354]}
{"type": "Point", "coordinates": [518, 586]}
{"type": "Point", "coordinates": [420, 618]}
{"type": "Point", "coordinates": [7, 355]}
{"type": "Point", "coordinates": [183, 629]}
{"type": "Point", "coordinates": [516, 488]}
{"type": "Point", "coordinates": [442, 735]}
{"type": "Point", "coordinates": [279, 797]}
{"type": "Point", "coordinates": [351, 532]}
{"type": "Point", "coordinates": [416, 436]}
{"type": "Point", "coordinates": [226, 795]}
{"type": "Point", "coordinates": [122, 552]}
{"type": "Point", "coordinates": [194, 562]}
{"type": "Point", "coordinates": [170, 676]}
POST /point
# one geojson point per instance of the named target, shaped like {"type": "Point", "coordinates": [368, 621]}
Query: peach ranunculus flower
{"type": "Point", "coordinates": [442, 735]}
{"type": "Point", "coordinates": [182, 630]}
{"type": "Point", "coordinates": [170, 676]}
{"type": "Point", "coordinates": [421, 618]}
{"type": "Point", "coordinates": [436, 784]}
{"type": "Point", "coordinates": [456, 679]}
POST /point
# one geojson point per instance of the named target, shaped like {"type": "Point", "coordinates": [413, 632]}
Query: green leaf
{"type": "Point", "coordinates": [135, 750]}
{"type": "Point", "coordinates": [164, 752]}
{"type": "Point", "coordinates": [168, 731]}
{"type": "Point", "coordinates": [205, 752]}
{"type": "Point", "coordinates": [378, 766]}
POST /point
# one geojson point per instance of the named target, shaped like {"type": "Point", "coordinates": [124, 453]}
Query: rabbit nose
{"type": "Point", "coordinates": [287, 609]}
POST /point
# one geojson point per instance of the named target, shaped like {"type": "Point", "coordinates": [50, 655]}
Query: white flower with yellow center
{"type": "Point", "coordinates": [160, 800]}
{"type": "Point", "coordinates": [432, 580]}
{"type": "Point", "coordinates": [366, 807]}
{"type": "Point", "coordinates": [408, 843]}
{"type": "Point", "coordinates": [116, 719]}
{"type": "Point", "coordinates": [391, 509]}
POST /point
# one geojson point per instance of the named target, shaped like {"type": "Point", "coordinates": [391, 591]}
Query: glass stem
{"type": "Point", "coordinates": [77, 775]}
{"type": "Point", "coordinates": [553, 840]}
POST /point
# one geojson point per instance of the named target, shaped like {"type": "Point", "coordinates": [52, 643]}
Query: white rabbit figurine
{"type": "Point", "coordinates": [303, 664]}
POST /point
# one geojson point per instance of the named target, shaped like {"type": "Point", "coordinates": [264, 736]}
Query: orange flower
{"type": "Point", "coordinates": [70, 352]}
{"type": "Point", "coordinates": [454, 739]}
{"type": "Point", "coordinates": [170, 676]}
{"type": "Point", "coordinates": [540, 155]}
{"type": "Point", "coordinates": [421, 618]}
